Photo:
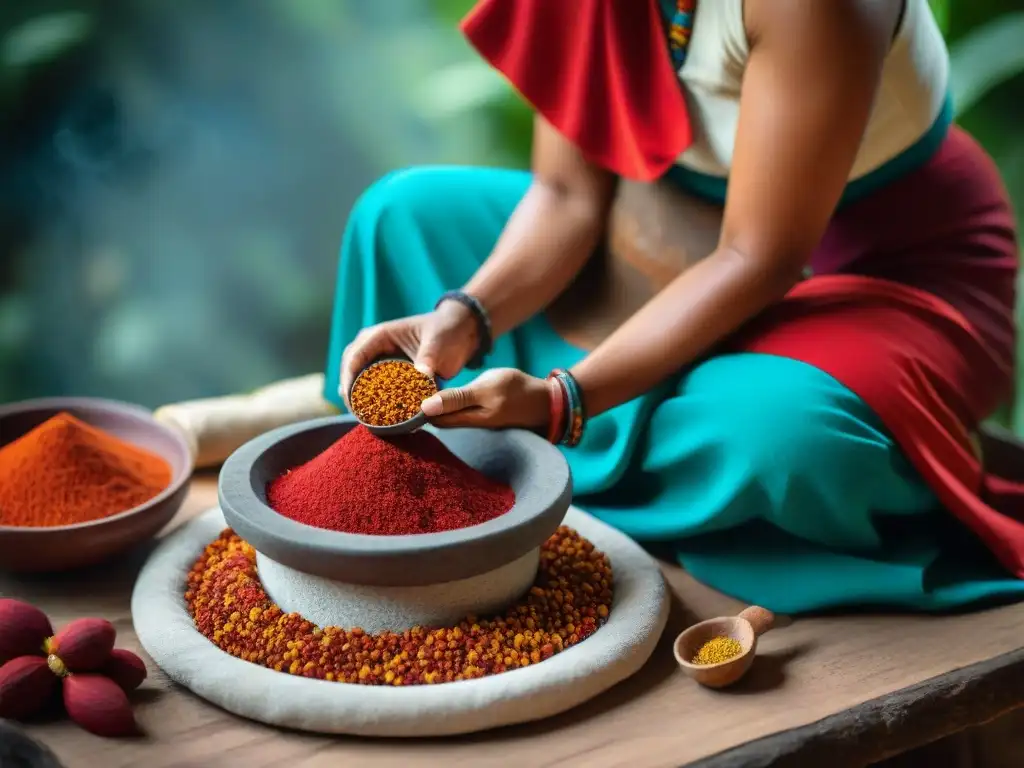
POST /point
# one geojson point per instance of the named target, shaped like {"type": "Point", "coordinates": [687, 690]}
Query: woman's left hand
{"type": "Point", "coordinates": [499, 398]}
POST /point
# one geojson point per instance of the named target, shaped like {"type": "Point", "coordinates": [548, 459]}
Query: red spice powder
{"type": "Point", "coordinates": [406, 485]}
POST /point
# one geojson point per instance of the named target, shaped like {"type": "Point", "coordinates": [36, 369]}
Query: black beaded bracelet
{"type": "Point", "coordinates": [483, 325]}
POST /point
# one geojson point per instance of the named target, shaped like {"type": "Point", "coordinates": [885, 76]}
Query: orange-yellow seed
{"type": "Point", "coordinates": [230, 607]}
{"type": "Point", "coordinates": [390, 392]}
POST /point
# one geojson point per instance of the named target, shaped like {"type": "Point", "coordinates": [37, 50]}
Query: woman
{"type": "Point", "coordinates": [781, 284]}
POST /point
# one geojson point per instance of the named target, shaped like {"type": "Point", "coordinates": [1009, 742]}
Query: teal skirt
{"type": "Point", "coordinates": [768, 479]}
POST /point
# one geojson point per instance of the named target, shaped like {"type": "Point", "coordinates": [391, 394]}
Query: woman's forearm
{"type": "Point", "coordinates": [811, 78]}
{"type": "Point", "coordinates": [693, 313]}
{"type": "Point", "coordinates": [545, 244]}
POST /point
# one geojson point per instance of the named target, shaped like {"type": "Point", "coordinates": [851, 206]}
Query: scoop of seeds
{"type": "Point", "coordinates": [389, 392]}
{"type": "Point", "coordinates": [718, 649]}
{"type": "Point", "coordinates": [570, 599]}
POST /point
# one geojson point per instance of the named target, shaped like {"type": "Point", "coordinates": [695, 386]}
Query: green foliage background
{"type": "Point", "coordinates": [174, 176]}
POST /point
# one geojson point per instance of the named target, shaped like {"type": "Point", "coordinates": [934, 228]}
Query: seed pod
{"type": "Point", "coordinates": [23, 629]}
{"type": "Point", "coordinates": [124, 668]}
{"type": "Point", "coordinates": [84, 645]}
{"type": "Point", "coordinates": [99, 705]}
{"type": "Point", "coordinates": [25, 685]}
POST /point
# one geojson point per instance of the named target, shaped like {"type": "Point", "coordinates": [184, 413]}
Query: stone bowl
{"type": "Point", "coordinates": [65, 547]}
{"type": "Point", "coordinates": [393, 582]}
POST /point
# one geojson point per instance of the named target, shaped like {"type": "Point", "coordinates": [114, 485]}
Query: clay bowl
{"type": "Point", "coordinates": [536, 471]}
{"type": "Point", "coordinates": [65, 547]}
{"type": "Point", "coordinates": [744, 628]}
{"type": "Point", "coordinates": [402, 428]}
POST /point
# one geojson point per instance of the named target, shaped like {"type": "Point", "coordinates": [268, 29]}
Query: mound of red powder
{"type": "Point", "coordinates": [405, 485]}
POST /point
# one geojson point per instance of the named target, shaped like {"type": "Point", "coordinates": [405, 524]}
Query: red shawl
{"type": "Point", "coordinates": [598, 70]}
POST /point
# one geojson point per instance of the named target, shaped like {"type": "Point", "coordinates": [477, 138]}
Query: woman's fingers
{"type": "Point", "coordinates": [470, 417]}
{"type": "Point", "coordinates": [368, 344]}
{"type": "Point", "coordinates": [448, 340]}
{"type": "Point", "coordinates": [477, 404]}
{"type": "Point", "coordinates": [428, 356]}
{"type": "Point", "coordinates": [440, 355]}
{"type": "Point", "coordinates": [450, 401]}
{"type": "Point", "coordinates": [390, 338]}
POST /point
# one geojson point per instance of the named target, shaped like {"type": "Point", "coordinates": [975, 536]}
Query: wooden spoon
{"type": "Point", "coordinates": [745, 628]}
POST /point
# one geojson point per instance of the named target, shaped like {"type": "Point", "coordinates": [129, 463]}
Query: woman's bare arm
{"type": "Point", "coordinates": [808, 89]}
{"type": "Point", "coordinates": [548, 239]}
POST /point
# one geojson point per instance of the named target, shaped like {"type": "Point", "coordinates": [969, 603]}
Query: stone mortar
{"type": "Point", "coordinates": [536, 471]}
{"type": "Point", "coordinates": [379, 609]}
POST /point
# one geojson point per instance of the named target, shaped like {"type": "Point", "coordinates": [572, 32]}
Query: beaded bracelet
{"type": "Point", "coordinates": [556, 427]}
{"type": "Point", "coordinates": [577, 415]}
{"type": "Point", "coordinates": [483, 325]}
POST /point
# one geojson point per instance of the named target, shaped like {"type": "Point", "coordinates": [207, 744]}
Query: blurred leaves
{"type": "Point", "coordinates": [450, 12]}
{"type": "Point", "coordinates": [986, 57]}
{"type": "Point", "coordinates": [943, 12]}
{"type": "Point", "coordinates": [33, 42]}
{"type": "Point", "coordinates": [43, 38]}
{"type": "Point", "coordinates": [467, 86]}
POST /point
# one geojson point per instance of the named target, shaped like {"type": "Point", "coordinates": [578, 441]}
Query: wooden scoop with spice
{"type": "Point", "coordinates": [387, 394]}
{"type": "Point", "coordinates": [718, 652]}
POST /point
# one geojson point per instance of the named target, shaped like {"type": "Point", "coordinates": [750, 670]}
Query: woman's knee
{"type": "Point", "coordinates": [809, 454]}
{"type": "Point", "coordinates": [407, 192]}
{"type": "Point", "coordinates": [815, 428]}
{"type": "Point", "coordinates": [430, 205]}
{"type": "Point", "coordinates": [776, 411]}
{"type": "Point", "coordinates": [427, 193]}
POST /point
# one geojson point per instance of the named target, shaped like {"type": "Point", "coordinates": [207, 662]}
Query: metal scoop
{"type": "Point", "coordinates": [392, 430]}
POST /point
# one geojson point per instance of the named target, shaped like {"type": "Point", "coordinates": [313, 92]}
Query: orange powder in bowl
{"type": "Point", "coordinates": [65, 472]}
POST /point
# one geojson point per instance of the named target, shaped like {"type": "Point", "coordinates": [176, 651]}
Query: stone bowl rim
{"type": "Point", "coordinates": [325, 553]}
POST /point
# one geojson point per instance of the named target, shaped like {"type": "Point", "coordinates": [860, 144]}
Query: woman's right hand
{"type": "Point", "coordinates": [439, 343]}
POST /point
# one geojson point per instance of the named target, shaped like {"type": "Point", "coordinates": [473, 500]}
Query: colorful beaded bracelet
{"type": "Point", "coordinates": [556, 427]}
{"type": "Point", "coordinates": [577, 416]}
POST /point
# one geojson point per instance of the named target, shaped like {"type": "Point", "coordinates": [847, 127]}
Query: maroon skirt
{"type": "Point", "coordinates": [912, 308]}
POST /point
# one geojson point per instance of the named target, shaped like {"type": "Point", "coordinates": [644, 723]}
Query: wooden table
{"type": "Point", "coordinates": [835, 691]}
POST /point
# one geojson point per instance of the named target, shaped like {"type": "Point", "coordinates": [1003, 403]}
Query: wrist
{"type": "Point", "coordinates": [481, 321]}
{"type": "Point", "coordinates": [600, 392]}
{"type": "Point", "coordinates": [460, 319]}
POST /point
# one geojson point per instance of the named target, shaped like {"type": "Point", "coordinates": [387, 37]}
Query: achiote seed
{"type": "Point", "coordinates": [25, 685]}
{"type": "Point", "coordinates": [389, 392]}
{"type": "Point", "coordinates": [230, 607]}
{"type": "Point", "coordinates": [23, 629]}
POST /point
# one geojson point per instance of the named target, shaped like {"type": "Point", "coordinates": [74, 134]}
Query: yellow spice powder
{"type": "Point", "coordinates": [718, 649]}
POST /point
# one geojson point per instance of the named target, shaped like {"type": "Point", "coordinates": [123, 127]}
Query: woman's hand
{"type": "Point", "coordinates": [439, 343]}
{"type": "Point", "coordinates": [499, 398]}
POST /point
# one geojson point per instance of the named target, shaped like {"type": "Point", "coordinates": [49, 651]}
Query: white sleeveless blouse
{"type": "Point", "coordinates": [912, 97]}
